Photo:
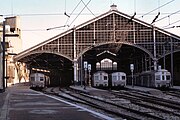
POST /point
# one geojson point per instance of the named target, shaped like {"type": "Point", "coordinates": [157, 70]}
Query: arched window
{"type": "Point", "coordinates": [114, 65]}
{"type": "Point", "coordinates": [106, 64]}
{"type": "Point", "coordinates": [98, 66]}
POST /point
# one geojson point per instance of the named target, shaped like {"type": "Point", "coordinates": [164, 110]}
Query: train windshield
{"type": "Point", "coordinates": [96, 78]}
{"type": "Point", "coordinates": [32, 78]}
{"type": "Point", "coordinates": [168, 77]}
{"type": "Point", "coordinates": [158, 77]}
{"type": "Point", "coordinates": [163, 77]}
{"type": "Point", "coordinates": [105, 77]}
{"type": "Point", "coordinates": [114, 77]}
{"type": "Point", "coordinates": [41, 78]}
{"type": "Point", "coordinates": [123, 77]}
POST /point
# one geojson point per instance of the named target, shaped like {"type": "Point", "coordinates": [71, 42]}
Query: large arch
{"type": "Point", "coordinates": [126, 55]}
{"type": "Point", "coordinates": [41, 52]}
{"type": "Point", "coordinates": [60, 67]}
{"type": "Point", "coordinates": [120, 42]}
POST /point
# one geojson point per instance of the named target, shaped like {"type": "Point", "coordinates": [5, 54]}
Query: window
{"type": "Point", "coordinates": [98, 66]}
{"type": "Point", "coordinates": [106, 64]}
{"type": "Point", "coordinates": [114, 65]}
{"type": "Point", "coordinates": [114, 78]}
{"type": "Point", "coordinates": [105, 78]}
{"type": "Point", "coordinates": [163, 77]}
{"type": "Point", "coordinates": [41, 79]}
{"type": "Point", "coordinates": [32, 78]}
{"type": "Point", "coordinates": [123, 77]}
{"type": "Point", "coordinates": [168, 77]}
{"type": "Point", "coordinates": [96, 77]}
{"type": "Point", "coordinates": [158, 77]}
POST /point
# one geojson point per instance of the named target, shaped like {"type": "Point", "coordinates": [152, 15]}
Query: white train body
{"type": "Point", "coordinates": [162, 78]}
{"type": "Point", "coordinates": [157, 79]}
{"type": "Point", "coordinates": [104, 79]}
{"type": "Point", "coordinates": [118, 79]}
{"type": "Point", "coordinates": [100, 78]}
{"type": "Point", "coordinates": [39, 80]}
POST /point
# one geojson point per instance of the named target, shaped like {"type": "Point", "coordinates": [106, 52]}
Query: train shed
{"type": "Point", "coordinates": [109, 42]}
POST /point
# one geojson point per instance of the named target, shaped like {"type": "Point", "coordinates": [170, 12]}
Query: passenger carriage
{"type": "Point", "coordinates": [157, 79]}
{"type": "Point", "coordinates": [100, 78]}
{"type": "Point", "coordinates": [118, 79]}
{"type": "Point", "coordinates": [39, 80]}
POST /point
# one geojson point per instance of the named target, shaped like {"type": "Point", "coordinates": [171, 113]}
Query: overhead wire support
{"type": "Point", "coordinates": [56, 27]}
{"type": "Point", "coordinates": [65, 10]}
{"type": "Point", "coordinates": [155, 18]}
{"type": "Point", "coordinates": [72, 11]}
{"type": "Point", "coordinates": [132, 17]}
{"type": "Point", "coordinates": [158, 8]}
{"type": "Point", "coordinates": [66, 14]}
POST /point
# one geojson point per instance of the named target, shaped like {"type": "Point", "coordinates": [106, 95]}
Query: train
{"type": "Point", "coordinates": [103, 79]}
{"type": "Point", "coordinates": [157, 79]}
{"type": "Point", "coordinates": [118, 79]}
{"type": "Point", "coordinates": [39, 80]}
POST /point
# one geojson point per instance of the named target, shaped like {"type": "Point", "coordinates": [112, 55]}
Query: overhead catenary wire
{"type": "Point", "coordinates": [72, 12]}
{"type": "Point", "coordinates": [39, 30]}
{"type": "Point", "coordinates": [158, 8]}
{"type": "Point", "coordinates": [172, 24]}
{"type": "Point", "coordinates": [167, 16]}
{"type": "Point", "coordinates": [75, 8]}
{"type": "Point", "coordinates": [88, 8]}
{"type": "Point", "coordinates": [80, 12]}
{"type": "Point", "coordinates": [85, 6]}
{"type": "Point", "coordinates": [58, 14]}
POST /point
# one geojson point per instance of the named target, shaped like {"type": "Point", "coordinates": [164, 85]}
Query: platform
{"type": "Point", "coordinates": [22, 103]}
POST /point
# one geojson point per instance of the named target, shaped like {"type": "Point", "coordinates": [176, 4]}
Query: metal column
{"type": "Point", "coordinates": [75, 59]}
{"type": "Point", "coordinates": [154, 47]}
{"type": "Point", "coordinates": [172, 63]}
{"type": "Point", "coordinates": [4, 49]}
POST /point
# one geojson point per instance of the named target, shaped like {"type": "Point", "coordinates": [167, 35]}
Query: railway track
{"type": "Point", "coordinates": [126, 111]}
{"type": "Point", "coordinates": [137, 108]}
{"type": "Point", "coordinates": [113, 108]}
{"type": "Point", "coordinates": [154, 99]}
{"type": "Point", "coordinates": [173, 93]}
{"type": "Point", "coordinates": [160, 105]}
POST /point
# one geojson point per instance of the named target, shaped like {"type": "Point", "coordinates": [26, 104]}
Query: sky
{"type": "Point", "coordinates": [39, 15]}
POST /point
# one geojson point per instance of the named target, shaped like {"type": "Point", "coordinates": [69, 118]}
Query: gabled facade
{"type": "Point", "coordinates": [112, 29]}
